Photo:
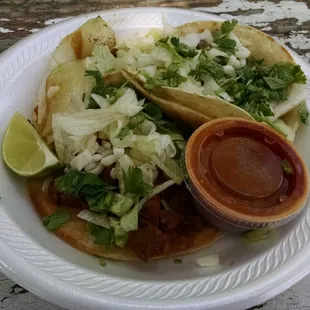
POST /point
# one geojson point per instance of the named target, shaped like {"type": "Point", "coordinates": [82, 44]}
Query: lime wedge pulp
{"type": "Point", "coordinates": [24, 151]}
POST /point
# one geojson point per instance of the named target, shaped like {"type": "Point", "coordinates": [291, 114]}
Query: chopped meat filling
{"type": "Point", "coordinates": [106, 174]}
{"type": "Point", "coordinates": [170, 221]}
{"type": "Point", "coordinates": [68, 200]}
{"type": "Point", "coordinates": [159, 228]}
{"type": "Point", "coordinates": [151, 211]}
{"type": "Point", "coordinates": [147, 241]}
{"type": "Point", "coordinates": [203, 44]}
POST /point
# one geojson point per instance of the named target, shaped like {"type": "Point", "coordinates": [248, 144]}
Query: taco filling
{"type": "Point", "coordinates": [233, 70]}
{"type": "Point", "coordinates": [122, 178]}
{"type": "Point", "coordinates": [121, 194]}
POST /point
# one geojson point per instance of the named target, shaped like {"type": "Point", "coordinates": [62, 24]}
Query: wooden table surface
{"type": "Point", "coordinates": [287, 20]}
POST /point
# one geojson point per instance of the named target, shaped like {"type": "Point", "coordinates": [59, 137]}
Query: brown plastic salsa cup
{"type": "Point", "coordinates": [244, 175]}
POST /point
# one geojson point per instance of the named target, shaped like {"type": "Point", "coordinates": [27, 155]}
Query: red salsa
{"type": "Point", "coordinates": [245, 169]}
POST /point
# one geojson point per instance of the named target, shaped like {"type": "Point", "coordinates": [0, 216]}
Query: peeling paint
{"type": "Point", "coordinates": [5, 30]}
{"type": "Point", "coordinates": [301, 31]}
{"type": "Point", "coordinates": [267, 14]}
{"type": "Point", "coordinates": [268, 28]}
{"type": "Point", "coordinates": [33, 30]}
{"type": "Point", "coordinates": [297, 41]}
{"type": "Point", "coordinates": [271, 11]}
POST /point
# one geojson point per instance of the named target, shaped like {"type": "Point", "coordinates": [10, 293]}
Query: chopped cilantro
{"type": "Point", "coordinates": [153, 111]}
{"type": "Point", "coordinates": [228, 26]}
{"type": "Point", "coordinates": [169, 78]}
{"type": "Point", "coordinates": [287, 167]}
{"type": "Point", "coordinates": [102, 235]}
{"type": "Point", "coordinates": [134, 183]}
{"type": "Point", "coordinates": [221, 37]}
{"type": "Point", "coordinates": [89, 186]}
{"type": "Point", "coordinates": [226, 45]}
{"type": "Point", "coordinates": [109, 92]}
{"type": "Point", "coordinates": [102, 262]}
{"type": "Point", "coordinates": [96, 74]}
{"type": "Point", "coordinates": [134, 122]}
{"type": "Point", "coordinates": [55, 220]}
{"type": "Point", "coordinates": [303, 112]}
{"type": "Point", "coordinates": [166, 44]}
{"type": "Point", "coordinates": [207, 67]}
{"type": "Point", "coordinates": [182, 49]}
{"type": "Point", "coordinates": [100, 202]}
{"type": "Point", "coordinates": [80, 183]}
{"type": "Point", "coordinates": [254, 236]}
{"type": "Point", "coordinates": [256, 86]}
{"type": "Point", "coordinates": [265, 120]}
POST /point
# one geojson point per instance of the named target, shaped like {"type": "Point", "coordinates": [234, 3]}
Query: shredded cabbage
{"type": "Point", "coordinates": [95, 218]}
{"type": "Point", "coordinates": [162, 54]}
{"type": "Point", "coordinates": [212, 88]}
{"type": "Point", "coordinates": [169, 166]}
{"type": "Point", "coordinates": [191, 39]}
{"type": "Point", "coordinates": [121, 236]}
{"type": "Point", "coordinates": [149, 173]}
{"type": "Point", "coordinates": [102, 102]}
{"type": "Point", "coordinates": [129, 221]}
{"type": "Point", "coordinates": [71, 131]}
{"type": "Point", "coordinates": [101, 59]}
{"type": "Point", "coordinates": [191, 87]}
{"type": "Point", "coordinates": [208, 261]}
{"type": "Point", "coordinates": [122, 205]}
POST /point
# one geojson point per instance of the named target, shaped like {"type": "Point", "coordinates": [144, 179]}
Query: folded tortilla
{"type": "Point", "coordinates": [75, 232]}
{"type": "Point", "coordinates": [261, 46]}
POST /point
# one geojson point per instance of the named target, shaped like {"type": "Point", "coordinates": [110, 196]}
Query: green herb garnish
{"type": "Point", "coordinates": [97, 193]}
{"type": "Point", "coordinates": [254, 236]}
{"type": "Point", "coordinates": [169, 78]}
{"type": "Point", "coordinates": [55, 220]}
{"type": "Point", "coordinates": [303, 112]}
{"type": "Point", "coordinates": [96, 74]}
{"type": "Point", "coordinates": [134, 183]}
{"type": "Point", "coordinates": [103, 236]}
{"type": "Point", "coordinates": [134, 122]}
{"type": "Point", "coordinates": [183, 49]}
{"type": "Point", "coordinates": [108, 92]}
{"type": "Point", "coordinates": [221, 37]}
{"type": "Point", "coordinates": [102, 262]}
{"type": "Point", "coordinates": [287, 167]}
{"type": "Point", "coordinates": [207, 67]}
{"type": "Point", "coordinates": [228, 26]}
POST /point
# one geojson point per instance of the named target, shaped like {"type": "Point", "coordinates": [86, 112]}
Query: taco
{"type": "Point", "coordinates": [65, 84]}
{"type": "Point", "coordinates": [219, 69]}
{"type": "Point", "coordinates": [121, 195]}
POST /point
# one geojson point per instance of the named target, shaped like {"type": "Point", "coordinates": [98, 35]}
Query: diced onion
{"type": "Point", "coordinates": [108, 161]}
{"type": "Point", "coordinates": [46, 184]}
{"type": "Point", "coordinates": [208, 261]}
{"type": "Point", "coordinates": [81, 160]}
{"type": "Point", "coordinates": [229, 70]}
{"type": "Point", "coordinates": [92, 217]}
{"type": "Point", "coordinates": [118, 152]}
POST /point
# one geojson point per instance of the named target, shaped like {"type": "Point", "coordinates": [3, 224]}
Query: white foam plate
{"type": "Point", "coordinates": [42, 263]}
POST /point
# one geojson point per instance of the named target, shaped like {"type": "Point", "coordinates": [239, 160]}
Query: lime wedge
{"type": "Point", "coordinates": [24, 151]}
